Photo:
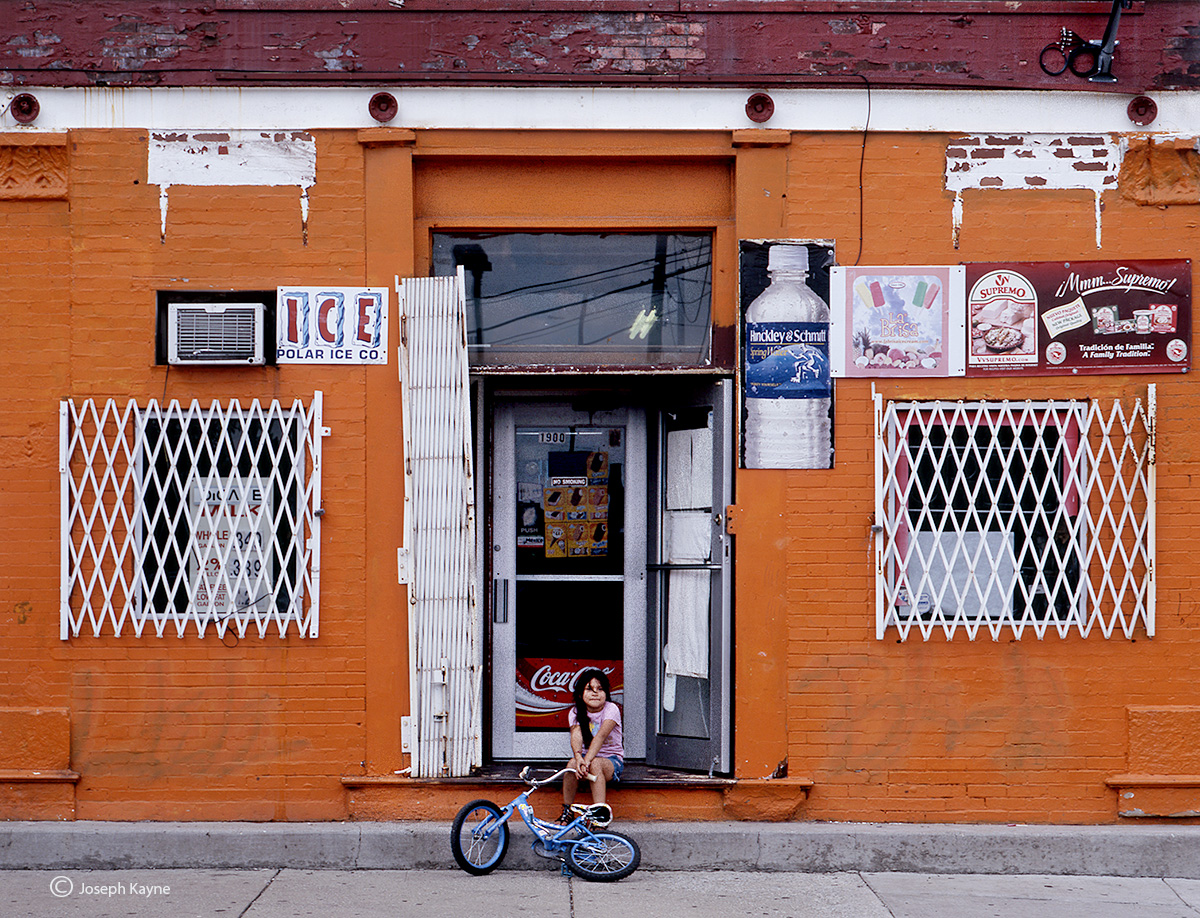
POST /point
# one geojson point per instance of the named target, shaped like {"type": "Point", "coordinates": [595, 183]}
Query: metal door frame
{"type": "Point", "coordinates": [715, 753]}
{"type": "Point", "coordinates": [506, 742]}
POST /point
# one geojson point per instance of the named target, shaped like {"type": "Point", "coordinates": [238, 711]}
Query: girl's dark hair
{"type": "Point", "coordinates": [581, 712]}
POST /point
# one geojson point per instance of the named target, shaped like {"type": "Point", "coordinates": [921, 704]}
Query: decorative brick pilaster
{"type": "Point", "coordinates": [1161, 172]}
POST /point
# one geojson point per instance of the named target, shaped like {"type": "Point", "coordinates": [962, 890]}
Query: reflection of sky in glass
{"type": "Point", "coordinates": [633, 292]}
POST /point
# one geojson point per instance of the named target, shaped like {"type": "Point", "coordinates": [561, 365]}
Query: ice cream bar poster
{"type": "Point", "coordinates": [1064, 318]}
{"type": "Point", "coordinates": [897, 321]}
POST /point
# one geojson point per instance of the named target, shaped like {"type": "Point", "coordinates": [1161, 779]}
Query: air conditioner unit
{"type": "Point", "coordinates": [215, 333]}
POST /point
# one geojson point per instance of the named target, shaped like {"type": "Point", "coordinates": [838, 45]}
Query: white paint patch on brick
{"type": "Point", "coordinates": [213, 158]}
{"type": "Point", "coordinates": [1006, 162]}
{"type": "Point", "coordinates": [233, 158]}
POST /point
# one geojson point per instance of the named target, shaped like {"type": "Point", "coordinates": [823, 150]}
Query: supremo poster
{"type": "Point", "coordinates": [897, 321]}
{"type": "Point", "coordinates": [1048, 318]}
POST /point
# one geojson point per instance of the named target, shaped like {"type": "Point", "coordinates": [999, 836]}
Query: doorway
{"type": "Point", "coordinates": [690, 627]}
{"type": "Point", "coordinates": [608, 548]}
{"type": "Point", "coordinates": [568, 568]}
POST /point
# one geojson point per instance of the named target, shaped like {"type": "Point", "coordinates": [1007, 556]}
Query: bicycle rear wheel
{"type": "Point", "coordinates": [478, 839]}
{"type": "Point", "coordinates": [604, 856]}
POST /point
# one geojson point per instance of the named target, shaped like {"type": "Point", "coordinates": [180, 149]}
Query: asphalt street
{"type": "Point", "coordinates": [293, 893]}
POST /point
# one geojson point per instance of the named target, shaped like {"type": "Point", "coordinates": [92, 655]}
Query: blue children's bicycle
{"type": "Point", "coordinates": [479, 838]}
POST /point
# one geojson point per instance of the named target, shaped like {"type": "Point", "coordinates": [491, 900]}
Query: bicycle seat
{"type": "Point", "coordinates": [597, 814]}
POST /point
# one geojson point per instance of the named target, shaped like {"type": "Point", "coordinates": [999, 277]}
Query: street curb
{"type": "Point", "coordinates": [1140, 851]}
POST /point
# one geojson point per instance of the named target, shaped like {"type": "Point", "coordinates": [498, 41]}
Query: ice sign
{"type": "Point", "coordinates": [346, 325]}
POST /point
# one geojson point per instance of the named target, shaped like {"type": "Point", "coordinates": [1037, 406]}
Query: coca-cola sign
{"type": "Point", "coordinates": [545, 687]}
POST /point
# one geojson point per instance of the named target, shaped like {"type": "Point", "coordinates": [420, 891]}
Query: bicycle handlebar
{"type": "Point", "coordinates": [524, 776]}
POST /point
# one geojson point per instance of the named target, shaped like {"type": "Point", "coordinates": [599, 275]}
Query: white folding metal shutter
{"type": "Point", "coordinates": [445, 651]}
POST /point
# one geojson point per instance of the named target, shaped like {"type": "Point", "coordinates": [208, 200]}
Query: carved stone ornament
{"type": "Point", "coordinates": [32, 168]}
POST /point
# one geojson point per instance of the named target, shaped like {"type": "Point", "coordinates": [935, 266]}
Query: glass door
{"type": "Point", "coordinates": [688, 704]}
{"type": "Point", "coordinates": [568, 569]}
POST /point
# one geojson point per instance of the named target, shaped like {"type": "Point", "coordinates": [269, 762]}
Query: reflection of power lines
{"type": "Point", "coordinates": [702, 256]}
{"type": "Point", "coordinates": [670, 290]}
{"type": "Point", "coordinates": [641, 266]}
{"type": "Point", "coordinates": [619, 310]}
{"type": "Point", "coordinates": [622, 305]}
{"type": "Point", "coordinates": [474, 259]}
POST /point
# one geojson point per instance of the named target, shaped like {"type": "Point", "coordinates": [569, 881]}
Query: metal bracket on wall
{"type": "Point", "coordinates": [500, 601]}
{"type": "Point", "coordinates": [1090, 60]}
{"type": "Point", "coordinates": [732, 515]}
{"type": "Point", "coordinates": [406, 734]}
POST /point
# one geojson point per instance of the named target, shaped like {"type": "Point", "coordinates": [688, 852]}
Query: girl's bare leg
{"type": "Point", "coordinates": [603, 769]}
{"type": "Point", "coordinates": [570, 787]}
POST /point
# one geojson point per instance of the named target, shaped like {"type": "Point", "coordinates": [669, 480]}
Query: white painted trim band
{"type": "Point", "coordinates": [635, 109]}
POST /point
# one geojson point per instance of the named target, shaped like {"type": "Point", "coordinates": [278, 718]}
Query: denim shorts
{"type": "Point", "coordinates": [618, 765]}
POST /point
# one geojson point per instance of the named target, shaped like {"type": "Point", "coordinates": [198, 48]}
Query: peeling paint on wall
{"type": "Point", "coordinates": [272, 158]}
{"type": "Point", "coordinates": [1027, 161]}
{"type": "Point", "coordinates": [65, 43]}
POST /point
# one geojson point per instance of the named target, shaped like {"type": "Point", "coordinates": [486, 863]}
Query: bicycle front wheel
{"type": "Point", "coordinates": [479, 839]}
{"type": "Point", "coordinates": [604, 856]}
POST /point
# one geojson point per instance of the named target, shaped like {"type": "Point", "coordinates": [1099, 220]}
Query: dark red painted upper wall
{"type": "Point", "coordinates": [902, 43]}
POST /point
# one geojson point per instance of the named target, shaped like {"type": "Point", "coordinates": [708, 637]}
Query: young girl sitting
{"type": "Point", "coordinates": [596, 746]}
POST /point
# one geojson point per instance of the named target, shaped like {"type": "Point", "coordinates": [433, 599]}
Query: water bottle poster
{"type": "Point", "coordinates": [787, 417]}
{"type": "Point", "coordinates": [897, 321]}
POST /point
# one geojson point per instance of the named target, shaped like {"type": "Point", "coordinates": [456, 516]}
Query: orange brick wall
{"type": "Point", "coordinates": [195, 729]}
{"type": "Point", "coordinates": [960, 731]}
{"type": "Point", "coordinates": [170, 728]}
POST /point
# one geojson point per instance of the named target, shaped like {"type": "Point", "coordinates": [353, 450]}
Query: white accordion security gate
{"type": "Point", "coordinates": [438, 559]}
{"type": "Point", "coordinates": [175, 518]}
{"type": "Point", "coordinates": [1007, 517]}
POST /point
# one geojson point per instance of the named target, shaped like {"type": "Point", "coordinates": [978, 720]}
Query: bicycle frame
{"type": "Point", "coordinates": [555, 837]}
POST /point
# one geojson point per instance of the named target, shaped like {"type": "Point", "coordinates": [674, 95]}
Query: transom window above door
{"type": "Point", "coordinates": [583, 299]}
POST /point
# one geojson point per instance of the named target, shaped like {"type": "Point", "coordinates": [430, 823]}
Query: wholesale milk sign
{"type": "Point", "coordinates": [343, 325]}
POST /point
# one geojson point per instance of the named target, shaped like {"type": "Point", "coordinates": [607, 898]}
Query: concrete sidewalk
{"type": "Point", "coordinates": [797, 847]}
{"type": "Point", "coordinates": [272, 893]}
